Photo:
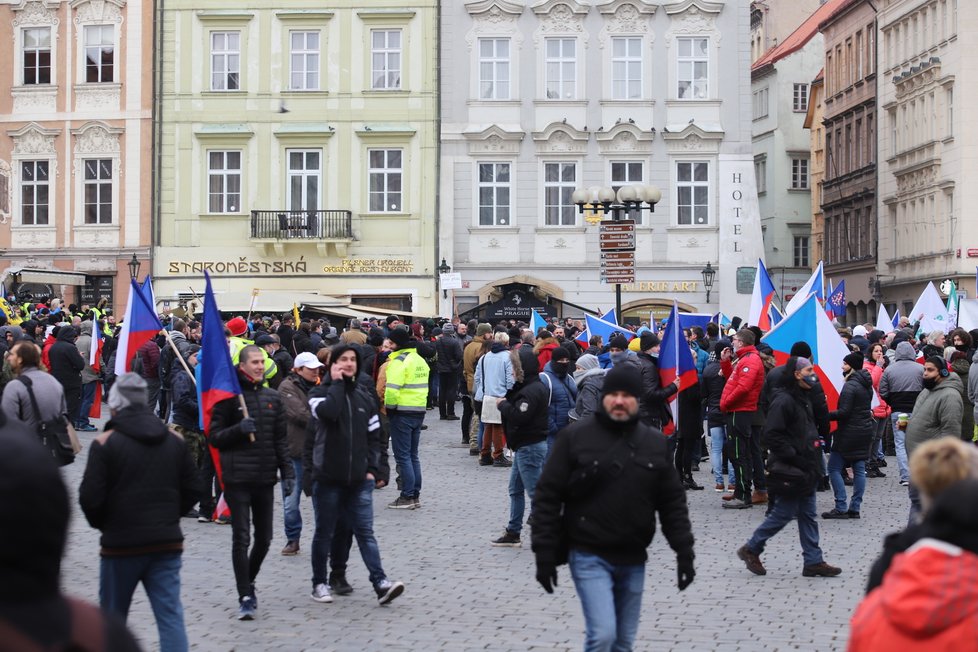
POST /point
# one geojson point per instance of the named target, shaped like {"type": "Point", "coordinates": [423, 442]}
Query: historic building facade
{"type": "Point", "coordinates": [298, 150]}
{"type": "Point", "coordinates": [75, 146]}
{"type": "Point", "coordinates": [542, 97]}
{"type": "Point", "coordinates": [816, 130]}
{"type": "Point", "coordinates": [771, 21]}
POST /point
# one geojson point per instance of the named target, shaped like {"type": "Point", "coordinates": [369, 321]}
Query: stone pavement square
{"type": "Point", "coordinates": [465, 595]}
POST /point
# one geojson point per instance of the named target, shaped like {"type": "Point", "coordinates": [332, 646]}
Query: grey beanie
{"type": "Point", "coordinates": [587, 361]}
{"type": "Point", "coordinates": [128, 389]}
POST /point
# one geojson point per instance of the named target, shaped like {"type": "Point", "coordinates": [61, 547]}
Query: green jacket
{"type": "Point", "coordinates": [407, 381]}
{"type": "Point", "coordinates": [937, 413]}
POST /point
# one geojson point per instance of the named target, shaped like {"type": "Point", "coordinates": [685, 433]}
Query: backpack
{"type": "Point", "coordinates": [53, 433]}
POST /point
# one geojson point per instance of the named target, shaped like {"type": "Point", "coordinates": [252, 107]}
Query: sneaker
{"type": "Point", "coordinates": [254, 596]}
{"type": "Point", "coordinates": [853, 514]}
{"type": "Point", "coordinates": [738, 504]}
{"type": "Point", "coordinates": [473, 451]}
{"type": "Point", "coordinates": [223, 520]}
{"type": "Point", "coordinates": [339, 585]}
{"type": "Point", "coordinates": [881, 462]}
{"type": "Point", "coordinates": [502, 462]}
{"type": "Point", "coordinates": [821, 569]}
{"type": "Point", "coordinates": [320, 593]}
{"type": "Point", "coordinates": [690, 484]}
{"type": "Point", "coordinates": [246, 608]}
{"type": "Point", "coordinates": [508, 540]}
{"type": "Point", "coordinates": [387, 591]}
{"type": "Point", "coordinates": [731, 487]}
{"type": "Point", "coordinates": [485, 460]}
{"type": "Point", "coordinates": [86, 428]}
{"type": "Point", "coordinates": [718, 487]}
{"type": "Point", "coordinates": [752, 560]}
{"type": "Point", "coordinates": [203, 518]}
{"type": "Point", "coordinates": [904, 483]}
{"type": "Point", "coordinates": [291, 549]}
{"type": "Point", "coordinates": [402, 503]}
{"type": "Point", "coordinates": [192, 513]}
{"type": "Point", "coordinates": [417, 502]}
{"type": "Point", "coordinates": [835, 513]}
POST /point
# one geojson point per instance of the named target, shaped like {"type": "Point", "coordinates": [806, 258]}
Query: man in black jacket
{"type": "Point", "coordinates": [253, 450]}
{"type": "Point", "coordinates": [526, 420]}
{"type": "Point", "coordinates": [607, 477]}
{"type": "Point", "coordinates": [139, 480]}
{"type": "Point", "coordinates": [66, 365]}
{"type": "Point", "coordinates": [341, 469]}
{"type": "Point", "coordinates": [449, 368]}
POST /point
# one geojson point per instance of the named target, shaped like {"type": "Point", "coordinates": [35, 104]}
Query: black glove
{"type": "Point", "coordinates": [307, 486]}
{"type": "Point", "coordinates": [288, 486]}
{"type": "Point", "coordinates": [547, 576]}
{"type": "Point", "coordinates": [247, 425]}
{"type": "Point", "coordinates": [686, 572]}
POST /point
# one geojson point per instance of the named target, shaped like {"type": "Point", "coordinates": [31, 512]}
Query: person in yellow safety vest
{"type": "Point", "coordinates": [405, 399]}
{"type": "Point", "coordinates": [239, 327]}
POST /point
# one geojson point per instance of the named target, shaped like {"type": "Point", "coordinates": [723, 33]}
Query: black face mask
{"type": "Point", "coordinates": [560, 368]}
{"type": "Point", "coordinates": [961, 347]}
{"type": "Point", "coordinates": [930, 383]}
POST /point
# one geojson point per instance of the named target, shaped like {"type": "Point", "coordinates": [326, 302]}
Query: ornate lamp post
{"type": "Point", "coordinates": [709, 275]}
{"type": "Point", "coordinates": [134, 266]}
{"type": "Point", "coordinates": [444, 268]}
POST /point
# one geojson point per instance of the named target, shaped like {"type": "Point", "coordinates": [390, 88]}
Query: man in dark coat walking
{"type": "Point", "coordinates": [66, 365]}
{"type": "Point", "coordinates": [449, 368]}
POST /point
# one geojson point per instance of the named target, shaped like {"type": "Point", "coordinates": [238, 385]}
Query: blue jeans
{"type": "Point", "coordinates": [405, 438]}
{"type": "Point", "coordinates": [160, 575]}
{"type": "Point", "coordinates": [356, 503]}
{"type": "Point", "coordinates": [611, 598]}
{"type": "Point", "coordinates": [837, 465]}
{"type": "Point", "coordinates": [718, 438]}
{"type": "Point", "coordinates": [900, 444]}
{"type": "Point", "coordinates": [290, 505]}
{"type": "Point", "coordinates": [527, 465]}
{"type": "Point", "coordinates": [785, 509]}
{"type": "Point", "coordinates": [87, 400]}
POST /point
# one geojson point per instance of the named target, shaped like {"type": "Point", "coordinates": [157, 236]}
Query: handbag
{"type": "Point", "coordinates": [55, 434]}
{"type": "Point", "coordinates": [783, 479]}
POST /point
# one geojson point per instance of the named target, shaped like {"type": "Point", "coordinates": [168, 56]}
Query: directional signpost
{"type": "Point", "coordinates": [617, 240]}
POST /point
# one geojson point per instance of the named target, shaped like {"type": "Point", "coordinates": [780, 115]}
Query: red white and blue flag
{"type": "Point", "coordinates": [761, 299]}
{"type": "Point", "coordinates": [536, 322]}
{"type": "Point", "coordinates": [814, 285]}
{"type": "Point", "coordinates": [140, 324]}
{"type": "Point", "coordinates": [835, 305]}
{"type": "Point", "coordinates": [675, 361]}
{"type": "Point", "coordinates": [95, 362]}
{"type": "Point", "coordinates": [605, 329]}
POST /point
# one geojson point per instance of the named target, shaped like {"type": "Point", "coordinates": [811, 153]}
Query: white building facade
{"type": "Point", "coordinates": [540, 98]}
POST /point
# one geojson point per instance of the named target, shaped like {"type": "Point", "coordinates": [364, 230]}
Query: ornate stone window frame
{"type": "Point", "coordinates": [6, 172]}
{"type": "Point", "coordinates": [96, 140]}
{"type": "Point", "coordinates": [32, 142]}
{"type": "Point", "coordinates": [693, 145]}
{"type": "Point", "coordinates": [561, 19]}
{"type": "Point", "coordinates": [626, 18]}
{"type": "Point", "coordinates": [693, 18]}
{"type": "Point", "coordinates": [35, 98]}
{"type": "Point", "coordinates": [97, 96]}
{"type": "Point", "coordinates": [494, 144]}
{"type": "Point", "coordinates": [494, 19]}
{"type": "Point", "coordinates": [625, 138]}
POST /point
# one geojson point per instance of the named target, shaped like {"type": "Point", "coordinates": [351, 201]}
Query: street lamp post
{"type": "Point", "coordinates": [709, 275]}
{"type": "Point", "coordinates": [134, 266]}
{"type": "Point", "coordinates": [596, 201]}
{"type": "Point", "coordinates": [443, 269]}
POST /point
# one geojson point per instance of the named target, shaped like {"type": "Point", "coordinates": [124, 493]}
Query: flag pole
{"type": "Point", "coordinates": [244, 411]}
{"type": "Point", "coordinates": [183, 362]}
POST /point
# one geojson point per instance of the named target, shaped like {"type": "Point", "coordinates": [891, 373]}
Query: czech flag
{"type": "Point", "coordinates": [536, 322]}
{"type": "Point", "coordinates": [140, 325]}
{"type": "Point", "coordinates": [218, 376]}
{"type": "Point", "coordinates": [675, 361]}
{"type": "Point", "coordinates": [95, 362]}
{"type": "Point", "coordinates": [775, 315]}
{"type": "Point", "coordinates": [810, 324]}
{"type": "Point", "coordinates": [835, 305]}
{"type": "Point", "coordinates": [814, 285]}
{"type": "Point", "coordinates": [605, 329]}
{"type": "Point", "coordinates": [690, 319]}
{"type": "Point", "coordinates": [611, 317]}
{"type": "Point", "coordinates": [896, 319]}
{"type": "Point", "coordinates": [761, 299]}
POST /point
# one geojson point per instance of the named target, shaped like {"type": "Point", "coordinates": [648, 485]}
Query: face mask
{"type": "Point", "coordinates": [961, 347]}
{"type": "Point", "coordinates": [812, 380]}
{"type": "Point", "coordinates": [560, 368]}
{"type": "Point", "coordinates": [930, 383]}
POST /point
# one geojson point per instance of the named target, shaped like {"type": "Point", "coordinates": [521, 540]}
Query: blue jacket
{"type": "Point", "coordinates": [494, 373]}
{"type": "Point", "coordinates": [702, 358]}
{"type": "Point", "coordinates": [563, 398]}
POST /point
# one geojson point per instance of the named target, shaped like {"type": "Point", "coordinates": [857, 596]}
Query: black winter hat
{"type": "Point", "coordinates": [618, 342]}
{"type": "Point", "coordinates": [648, 340]}
{"type": "Point", "coordinates": [376, 337]}
{"type": "Point", "coordinates": [801, 350]}
{"type": "Point", "coordinates": [624, 378]}
{"type": "Point", "coordinates": [399, 336]}
{"type": "Point", "coordinates": [854, 360]}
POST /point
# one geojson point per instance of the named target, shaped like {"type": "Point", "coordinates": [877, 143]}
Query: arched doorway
{"type": "Point", "coordinates": [636, 312]}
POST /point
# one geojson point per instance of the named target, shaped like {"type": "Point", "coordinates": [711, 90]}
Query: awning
{"type": "Point", "coordinates": [47, 276]}
{"type": "Point", "coordinates": [268, 301]}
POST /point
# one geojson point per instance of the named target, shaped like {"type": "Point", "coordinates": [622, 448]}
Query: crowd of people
{"type": "Point", "coordinates": [581, 429]}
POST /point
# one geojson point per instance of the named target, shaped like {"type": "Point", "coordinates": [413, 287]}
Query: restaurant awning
{"type": "Point", "coordinates": [47, 276]}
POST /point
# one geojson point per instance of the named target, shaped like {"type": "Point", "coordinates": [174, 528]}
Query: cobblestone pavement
{"type": "Point", "coordinates": [463, 594]}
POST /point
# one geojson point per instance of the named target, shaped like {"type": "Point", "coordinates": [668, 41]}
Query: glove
{"type": "Point", "coordinates": [288, 486]}
{"type": "Point", "coordinates": [686, 572]}
{"type": "Point", "coordinates": [307, 486]}
{"type": "Point", "coordinates": [247, 425]}
{"type": "Point", "coordinates": [547, 576]}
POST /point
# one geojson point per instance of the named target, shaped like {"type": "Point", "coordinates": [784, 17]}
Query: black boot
{"type": "Point", "coordinates": [690, 485]}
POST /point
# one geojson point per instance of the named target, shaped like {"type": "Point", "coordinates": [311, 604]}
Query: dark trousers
{"type": "Point", "coordinates": [73, 399]}
{"type": "Point", "coordinates": [466, 417]}
{"type": "Point", "coordinates": [447, 391]}
{"type": "Point", "coordinates": [757, 458]}
{"type": "Point", "coordinates": [739, 452]}
{"type": "Point", "coordinates": [207, 477]}
{"type": "Point", "coordinates": [249, 502]}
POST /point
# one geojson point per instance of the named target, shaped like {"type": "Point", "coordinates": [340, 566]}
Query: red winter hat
{"type": "Point", "coordinates": [238, 326]}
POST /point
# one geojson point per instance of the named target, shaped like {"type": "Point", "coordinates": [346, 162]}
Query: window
{"type": "Point", "coordinates": [4, 191]}
{"type": "Point", "coordinates": [225, 61]}
{"type": "Point", "coordinates": [801, 251]}
{"type": "Point", "coordinates": [694, 62]}
{"type": "Point", "coordinates": [799, 103]}
{"type": "Point", "coordinates": [494, 194]}
{"type": "Point", "coordinates": [625, 173]}
{"type": "Point", "coordinates": [494, 69]}
{"type": "Point", "coordinates": [799, 174]}
{"type": "Point", "coordinates": [223, 182]}
{"type": "Point", "coordinates": [950, 112]}
{"type": "Point", "coordinates": [303, 179]}
{"type": "Point", "coordinates": [385, 57]}
{"type": "Point", "coordinates": [385, 181]}
{"type": "Point", "coordinates": [305, 61]}
{"type": "Point", "coordinates": [693, 192]}
{"type": "Point", "coordinates": [560, 180]}
{"type": "Point", "coordinates": [98, 191]}
{"type": "Point", "coordinates": [760, 174]}
{"type": "Point", "coordinates": [34, 192]}
{"type": "Point", "coordinates": [626, 68]}
{"type": "Point", "coordinates": [37, 55]}
{"type": "Point", "coordinates": [761, 103]}
{"type": "Point", "coordinates": [99, 53]}
{"type": "Point", "coordinates": [561, 68]}
{"type": "Point", "coordinates": [859, 55]}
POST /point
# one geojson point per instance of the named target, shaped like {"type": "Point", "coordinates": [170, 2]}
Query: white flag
{"type": "Point", "coordinates": [930, 311]}
{"type": "Point", "coordinates": [883, 321]}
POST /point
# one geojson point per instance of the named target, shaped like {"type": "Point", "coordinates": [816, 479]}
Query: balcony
{"type": "Point", "coordinates": [276, 229]}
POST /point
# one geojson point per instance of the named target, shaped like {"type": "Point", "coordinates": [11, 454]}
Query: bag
{"type": "Point", "coordinates": [784, 479]}
{"type": "Point", "coordinates": [56, 435]}
{"type": "Point", "coordinates": [490, 411]}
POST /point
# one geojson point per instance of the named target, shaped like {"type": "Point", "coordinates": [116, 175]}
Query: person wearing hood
{"type": "Point", "coordinates": [139, 480]}
{"type": "Point", "coordinates": [563, 391]}
{"type": "Point", "coordinates": [406, 399]}
{"type": "Point", "coordinates": [527, 426]}
{"type": "Point", "coordinates": [852, 438]}
{"type": "Point", "coordinates": [900, 384]}
{"type": "Point", "coordinates": [959, 356]}
{"type": "Point", "coordinates": [711, 388]}
{"type": "Point", "coordinates": [493, 378]}
{"type": "Point", "coordinates": [936, 413]}
{"type": "Point", "coordinates": [341, 469]}
{"type": "Point", "coordinates": [545, 345]}
{"type": "Point", "coordinates": [606, 481]}
{"type": "Point", "coordinates": [30, 330]}
{"type": "Point", "coordinates": [589, 377]}
{"type": "Point", "coordinates": [66, 366]}
{"type": "Point", "coordinates": [253, 453]}
{"type": "Point", "coordinates": [89, 378]}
